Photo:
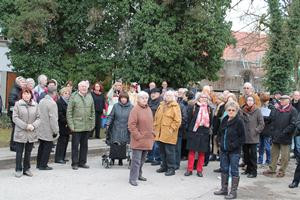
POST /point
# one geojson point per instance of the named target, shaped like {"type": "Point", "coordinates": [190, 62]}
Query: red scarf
{"type": "Point", "coordinates": [283, 109]}
{"type": "Point", "coordinates": [248, 109]}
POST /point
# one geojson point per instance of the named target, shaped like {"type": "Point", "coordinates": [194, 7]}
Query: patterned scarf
{"type": "Point", "coordinates": [203, 117]}
{"type": "Point", "coordinates": [286, 108]}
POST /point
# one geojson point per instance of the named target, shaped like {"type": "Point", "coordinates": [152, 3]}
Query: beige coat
{"type": "Point", "coordinates": [49, 119]}
{"type": "Point", "coordinates": [24, 114]}
{"type": "Point", "coordinates": [167, 121]}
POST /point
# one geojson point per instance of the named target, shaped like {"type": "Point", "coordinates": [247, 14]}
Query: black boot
{"type": "Point", "coordinates": [120, 162]}
{"type": "Point", "coordinates": [213, 157]}
{"type": "Point", "coordinates": [224, 184]}
{"type": "Point", "coordinates": [294, 184]}
{"type": "Point", "coordinates": [234, 185]}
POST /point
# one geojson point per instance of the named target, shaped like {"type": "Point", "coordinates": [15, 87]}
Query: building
{"type": "Point", "coordinates": [7, 77]}
{"type": "Point", "coordinates": [243, 63]}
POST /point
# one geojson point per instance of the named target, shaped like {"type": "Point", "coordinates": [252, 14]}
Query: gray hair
{"type": "Point", "coordinates": [42, 76]}
{"type": "Point", "coordinates": [20, 79]}
{"type": "Point", "coordinates": [170, 92]}
{"type": "Point", "coordinates": [142, 94]}
{"type": "Point", "coordinates": [232, 104]}
{"type": "Point", "coordinates": [86, 83]}
{"type": "Point", "coordinates": [30, 81]}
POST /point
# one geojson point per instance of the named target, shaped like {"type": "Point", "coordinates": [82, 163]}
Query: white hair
{"type": "Point", "coordinates": [170, 92]}
{"type": "Point", "coordinates": [42, 76]}
{"type": "Point", "coordinates": [142, 94]}
{"type": "Point", "coordinates": [248, 84]}
{"type": "Point", "coordinates": [30, 81]}
{"type": "Point", "coordinates": [86, 83]}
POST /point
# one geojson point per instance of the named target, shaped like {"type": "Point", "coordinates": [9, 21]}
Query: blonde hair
{"type": "Point", "coordinates": [232, 104]}
{"type": "Point", "coordinates": [63, 90]}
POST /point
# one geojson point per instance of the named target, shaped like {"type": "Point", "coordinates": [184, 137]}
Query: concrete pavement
{"type": "Point", "coordinates": [7, 157]}
{"type": "Point", "coordinates": [63, 183]}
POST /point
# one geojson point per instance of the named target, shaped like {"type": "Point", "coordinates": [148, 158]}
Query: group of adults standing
{"type": "Point", "coordinates": [160, 121]}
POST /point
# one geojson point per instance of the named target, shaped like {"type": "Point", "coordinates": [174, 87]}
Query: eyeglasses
{"type": "Point", "coordinates": [230, 110]}
{"type": "Point", "coordinates": [246, 88]}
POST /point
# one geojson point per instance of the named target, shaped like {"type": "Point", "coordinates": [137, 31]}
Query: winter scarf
{"type": "Point", "coordinates": [203, 117]}
{"type": "Point", "coordinates": [283, 109]}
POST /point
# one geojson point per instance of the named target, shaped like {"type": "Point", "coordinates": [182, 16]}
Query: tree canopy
{"type": "Point", "coordinates": [178, 41]}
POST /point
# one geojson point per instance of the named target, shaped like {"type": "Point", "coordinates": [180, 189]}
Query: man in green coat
{"type": "Point", "coordinates": [81, 120]}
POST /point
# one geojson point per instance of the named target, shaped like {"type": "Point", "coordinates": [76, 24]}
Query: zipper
{"type": "Point", "coordinates": [225, 138]}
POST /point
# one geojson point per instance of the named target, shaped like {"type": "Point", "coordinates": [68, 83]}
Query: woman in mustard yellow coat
{"type": "Point", "coordinates": [167, 121]}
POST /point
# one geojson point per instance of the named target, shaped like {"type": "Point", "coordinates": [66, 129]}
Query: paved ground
{"type": "Point", "coordinates": [7, 157]}
{"type": "Point", "coordinates": [111, 184]}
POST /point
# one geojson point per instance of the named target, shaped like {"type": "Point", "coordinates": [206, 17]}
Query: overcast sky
{"type": "Point", "coordinates": [237, 14]}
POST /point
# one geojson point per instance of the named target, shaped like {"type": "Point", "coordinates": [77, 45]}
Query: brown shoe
{"type": "Point", "coordinates": [269, 172]}
{"type": "Point", "coordinates": [280, 174]}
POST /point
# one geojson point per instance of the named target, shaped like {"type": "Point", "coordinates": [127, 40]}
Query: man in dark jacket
{"type": "Point", "coordinates": [283, 126]}
{"type": "Point", "coordinates": [296, 179]}
{"type": "Point", "coordinates": [153, 156]}
{"type": "Point", "coordinates": [182, 101]}
{"type": "Point", "coordinates": [13, 97]}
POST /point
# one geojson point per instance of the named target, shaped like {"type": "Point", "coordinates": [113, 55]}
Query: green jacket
{"type": "Point", "coordinates": [81, 113]}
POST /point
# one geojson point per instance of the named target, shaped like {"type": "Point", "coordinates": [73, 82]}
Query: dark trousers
{"type": "Point", "coordinates": [137, 162]}
{"type": "Point", "coordinates": [61, 147]}
{"type": "Point", "coordinates": [250, 158]}
{"type": "Point", "coordinates": [167, 155]}
{"type": "Point", "coordinates": [12, 143]}
{"type": "Point", "coordinates": [154, 153]}
{"type": "Point", "coordinates": [19, 155]}
{"type": "Point", "coordinates": [43, 155]}
{"type": "Point", "coordinates": [230, 161]}
{"type": "Point", "coordinates": [178, 151]}
{"type": "Point", "coordinates": [79, 157]}
{"type": "Point", "coordinates": [97, 125]}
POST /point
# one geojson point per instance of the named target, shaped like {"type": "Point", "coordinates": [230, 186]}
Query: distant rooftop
{"type": "Point", "coordinates": [249, 47]}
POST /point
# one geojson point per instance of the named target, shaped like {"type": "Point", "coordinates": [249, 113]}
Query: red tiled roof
{"type": "Point", "coordinates": [249, 46]}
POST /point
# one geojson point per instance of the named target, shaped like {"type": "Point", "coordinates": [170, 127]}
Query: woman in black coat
{"type": "Point", "coordinates": [64, 131]}
{"type": "Point", "coordinates": [199, 123]}
{"type": "Point", "coordinates": [99, 103]}
{"type": "Point", "coordinates": [232, 138]}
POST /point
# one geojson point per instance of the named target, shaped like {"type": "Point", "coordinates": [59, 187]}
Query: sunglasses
{"type": "Point", "coordinates": [246, 88]}
{"type": "Point", "coordinates": [231, 110]}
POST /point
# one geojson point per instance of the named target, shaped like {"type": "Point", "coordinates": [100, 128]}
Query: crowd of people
{"type": "Point", "coordinates": [163, 126]}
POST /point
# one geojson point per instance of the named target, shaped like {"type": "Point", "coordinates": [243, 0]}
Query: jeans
{"type": "Point", "coordinates": [19, 154]}
{"type": "Point", "coordinates": [230, 161]}
{"type": "Point", "coordinates": [154, 153]}
{"type": "Point", "coordinates": [168, 155]}
{"type": "Point", "coordinates": [264, 145]}
{"type": "Point", "coordinates": [79, 138]}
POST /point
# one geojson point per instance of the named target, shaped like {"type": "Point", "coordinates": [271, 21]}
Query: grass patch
{"type": "Point", "coordinates": [4, 137]}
